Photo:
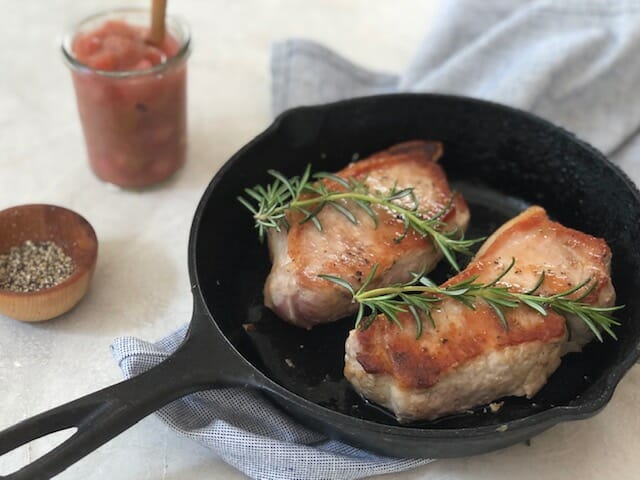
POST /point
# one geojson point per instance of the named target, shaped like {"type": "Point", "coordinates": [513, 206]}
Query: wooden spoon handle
{"type": "Point", "coordinates": [158, 10]}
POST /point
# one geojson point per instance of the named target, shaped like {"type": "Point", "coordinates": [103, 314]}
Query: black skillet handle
{"type": "Point", "coordinates": [203, 361]}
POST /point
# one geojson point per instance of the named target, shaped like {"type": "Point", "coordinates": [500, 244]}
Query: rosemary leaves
{"type": "Point", "coordinates": [308, 195]}
{"type": "Point", "coordinates": [34, 266]}
{"type": "Point", "coordinates": [419, 296]}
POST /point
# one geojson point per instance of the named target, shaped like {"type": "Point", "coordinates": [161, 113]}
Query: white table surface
{"type": "Point", "coordinates": [141, 286]}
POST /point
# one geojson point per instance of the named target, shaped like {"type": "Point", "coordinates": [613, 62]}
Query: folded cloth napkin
{"type": "Point", "coordinates": [574, 62]}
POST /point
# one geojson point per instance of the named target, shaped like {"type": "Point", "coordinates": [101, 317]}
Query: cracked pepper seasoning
{"type": "Point", "coordinates": [34, 266]}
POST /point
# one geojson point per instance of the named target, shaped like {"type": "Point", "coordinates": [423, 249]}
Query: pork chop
{"type": "Point", "coordinates": [469, 358]}
{"type": "Point", "coordinates": [293, 289]}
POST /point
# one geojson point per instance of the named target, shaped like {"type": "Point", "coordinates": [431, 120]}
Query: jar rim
{"type": "Point", "coordinates": [177, 23]}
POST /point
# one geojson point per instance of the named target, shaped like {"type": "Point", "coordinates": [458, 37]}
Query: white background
{"type": "Point", "coordinates": [141, 285]}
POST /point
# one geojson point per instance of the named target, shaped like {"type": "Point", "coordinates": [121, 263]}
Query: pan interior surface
{"type": "Point", "coordinates": [501, 160]}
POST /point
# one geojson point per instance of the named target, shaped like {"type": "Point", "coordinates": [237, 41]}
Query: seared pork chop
{"type": "Point", "coordinates": [469, 358]}
{"type": "Point", "coordinates": [293, 289]}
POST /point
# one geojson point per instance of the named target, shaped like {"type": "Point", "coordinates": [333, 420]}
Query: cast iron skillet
{"type": "Point", "coordinates": [501, 159]}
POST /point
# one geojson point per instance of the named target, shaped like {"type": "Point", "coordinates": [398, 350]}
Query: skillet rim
{"type": "Point", "coordinates": [549, 417]}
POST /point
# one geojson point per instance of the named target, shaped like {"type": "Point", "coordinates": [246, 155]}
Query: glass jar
{"type": "Point", "coordinates": [135, 119]}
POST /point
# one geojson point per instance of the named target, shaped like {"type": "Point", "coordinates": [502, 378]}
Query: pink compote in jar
{"type": "Point", "coordinates": [131, 96]}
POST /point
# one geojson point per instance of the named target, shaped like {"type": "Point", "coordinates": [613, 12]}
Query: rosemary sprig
{"type": "Point", "coordinates": [419, 296]}
{"type": "Point", "coordinates": [308, 194]}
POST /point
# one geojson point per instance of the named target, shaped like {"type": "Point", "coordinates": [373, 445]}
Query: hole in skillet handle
{"type": "Point", "coordinates": [14, 460]}
{"type": "Point", "coordinates": [204, 360]}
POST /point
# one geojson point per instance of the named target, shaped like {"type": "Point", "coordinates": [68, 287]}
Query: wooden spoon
{"type": "Point", "coordinates": [158, 11]}
{"type": "Point", "coordinates": [70, 231]}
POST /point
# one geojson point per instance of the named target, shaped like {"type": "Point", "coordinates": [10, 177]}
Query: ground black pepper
{"type": "Point", "coordinates": [34, 266]}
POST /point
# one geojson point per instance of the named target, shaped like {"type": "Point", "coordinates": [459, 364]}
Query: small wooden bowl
{"type": "Point", "coordinates": [70, 231]}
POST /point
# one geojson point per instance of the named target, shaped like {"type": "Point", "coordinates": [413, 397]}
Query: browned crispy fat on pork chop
{"type": "Point", "coordinates": [469, 359]}
{"type": "Point", "coordinates": [293, 289]}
